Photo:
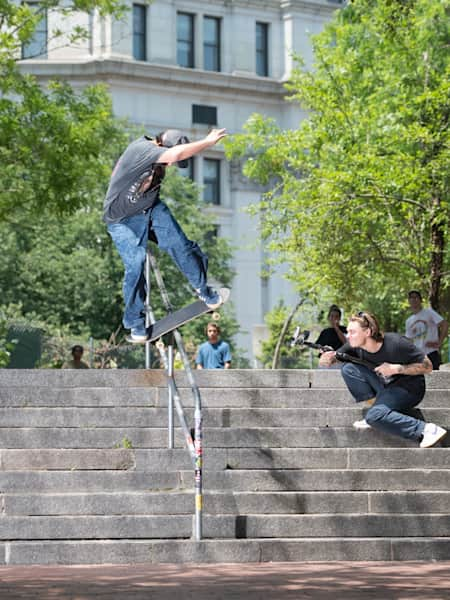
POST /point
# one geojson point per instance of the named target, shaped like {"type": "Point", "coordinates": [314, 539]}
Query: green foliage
{"type": "Point", "coordinates": [358, 198]}
{"type": "Point", "coordinates": [60, 271]}
{"type": "Point", "coordinates": [6, 346]}
{"type": "Point", "coordinates": [125, 443]}
{"type": "Point", "coordinates": [55, 143]}
{"type": "Point", "coordinates": [67, 277]}
{"type": "Point", "coordinates": [290, 358]}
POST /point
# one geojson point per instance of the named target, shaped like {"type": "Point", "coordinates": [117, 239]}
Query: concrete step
{"type": "Point", "coordinates": [239, 480]}
{"type": "Point", "coordinates": [232, 378]}
{"type": "Point", "coordinates": [97, 527]}
{"type": "Point", "coordinates": [331, 480]}
{"type": "Point", "coordinates": [94, 481]}
{"type": "Point", "coordinates": [225, 551]}
{"type": "Point", "coordinates": [223, 526]}
{"type": "Point", "coordinates": [27, 396]}
{"type": "Point", "coordinates": [144, 437]}
{"type": "Point", "coordinates": [85, 476]}
{"type": "Point", "coordinates": [225, 458]}
{"type": "Point", "coordinates": [234, 503]}
{"type": "Point", "coordinates": [212, 417]}
{"type": "Point", "coordinates": [334, 525]}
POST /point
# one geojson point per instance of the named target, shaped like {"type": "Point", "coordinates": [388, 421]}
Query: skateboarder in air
{"type": "Point", "coordinates": [134, 213]}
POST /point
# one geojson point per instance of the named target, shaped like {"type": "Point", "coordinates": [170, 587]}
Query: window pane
{"type": "Point", "coordinates": [185, 40]}
{"type": "Point", "coordinates": [211, 44]}
{"type": "Point", "coordinates": [37, 46]}
{"type": "Point", "coordinates": [262, 49]}
{"type": "Point", "coordinates": [189, 170]}
{"type": "Point", "coordinates": [211, 181]}
{"type": "Point", "coordinates": [139, 32]}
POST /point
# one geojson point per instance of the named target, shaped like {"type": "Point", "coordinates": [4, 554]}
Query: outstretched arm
{"type": "Point", "coordinates": [183, 151]}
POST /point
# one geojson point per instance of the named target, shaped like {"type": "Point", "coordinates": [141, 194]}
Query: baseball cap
{"type": "Point", "coordinates": [171, 138]}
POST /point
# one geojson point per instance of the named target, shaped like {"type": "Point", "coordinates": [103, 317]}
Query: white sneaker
{"type": "Point", "coordinates": [363, 424]}
{"type": "Point", "coordinates": [431, 435]}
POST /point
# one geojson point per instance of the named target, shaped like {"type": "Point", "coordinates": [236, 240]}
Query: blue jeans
{"type": "Point", "coordinates": [387, 413]}
{"type": "Point", "coordinates": [130, 237]}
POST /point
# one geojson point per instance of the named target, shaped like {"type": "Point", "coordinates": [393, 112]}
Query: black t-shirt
{"type": "Point", "coordinates": [396, 349]}
{"type": "Point", "coordinates": [329, 337]}
{"type": "Point", "coordinates": [137, 164]}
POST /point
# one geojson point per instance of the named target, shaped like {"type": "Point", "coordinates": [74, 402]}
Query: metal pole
{"type": "Point", "coordinates": [198, 445]}
{"type": "Point", "coordinates": [91, 352]}
{"type": "Point", "coordinates": [148, 320]}
{"type": "Point", "coordinates": [198, 421]}
{"type": "Point", "coordinates": [170, 397]}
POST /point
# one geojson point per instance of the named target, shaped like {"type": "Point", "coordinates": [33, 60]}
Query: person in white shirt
{"type": "Point", "coordinates": [426, 328]}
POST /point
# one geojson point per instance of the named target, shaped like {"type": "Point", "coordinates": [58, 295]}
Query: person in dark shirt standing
{"type": "Point", "coordinates": [396, 381]}
{"type": "Point", "coordinates": [334, 335]}
{"type": "Point", "coordinates": [134, 214]}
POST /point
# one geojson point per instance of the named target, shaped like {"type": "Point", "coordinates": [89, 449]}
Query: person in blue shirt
{"type": "Point", "coordinates": [215, 353]}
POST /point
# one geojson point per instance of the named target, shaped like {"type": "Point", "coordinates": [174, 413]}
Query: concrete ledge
{"type": "Point", "coordinates": [233, 378]}
{"type": "Point", "coordinates": [66, 460]}
{"type": "Point", "coordinates": [263, 397]}
{"type": "Point", "coordinates": [327, 480]}
{"type": "Point", "coordinates": [234, 503]}
{"type": "Point", "coordinates": [226, 551]}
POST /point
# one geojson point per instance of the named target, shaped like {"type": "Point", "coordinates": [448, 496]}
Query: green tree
{"type": "Point", "coordinates": [55, 143]}
{"type": "Point", "coordinates": [358, 194]}
{"type": "Point", "coordinates": [65, 272]}
{"type": "Point", "coordinates": [57, 147]}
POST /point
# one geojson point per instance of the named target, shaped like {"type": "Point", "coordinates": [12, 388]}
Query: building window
{"type": "Point", "coordinates": [185, 40]}
{"type": "Point", "coordinates": [37, 46]}
{"type": "Point", "coordinates": [211, 44]}
{"type": "Point", "coordinates": [262, 49]}
{"type": "Point", "coordinates": [211, 181]}
{"type": "Point", "coordinates": [189, 170]}
{"type": "Point", "coordinates": [207, 115]}
{"type": "Point", "coordinates": [139, 32]}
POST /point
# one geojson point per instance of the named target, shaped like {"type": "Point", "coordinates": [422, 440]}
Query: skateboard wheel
{"type": "Point", "coordinates": [215, 316]}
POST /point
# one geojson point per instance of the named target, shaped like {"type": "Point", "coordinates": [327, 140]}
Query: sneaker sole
{"type": "Point", "coordinates": [133, 340]}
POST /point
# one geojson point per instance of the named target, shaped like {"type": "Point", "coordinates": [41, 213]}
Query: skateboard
{"type": "Point", "coordinates": [181, 317]}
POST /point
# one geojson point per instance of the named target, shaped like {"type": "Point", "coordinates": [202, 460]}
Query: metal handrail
{"type": "Point", "coordinates": [195, 446]}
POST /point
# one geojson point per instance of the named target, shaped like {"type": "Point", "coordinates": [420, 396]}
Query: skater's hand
{"type": "Point", "coordinates": [215, 135]}
{"type": "Point", "coordinates": [327, 359]}
{"type": "Point", "coordinates": [388, 369]}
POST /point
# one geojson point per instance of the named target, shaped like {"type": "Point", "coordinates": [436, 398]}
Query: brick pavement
{"type": "Point", "coordinates": [261, 581]}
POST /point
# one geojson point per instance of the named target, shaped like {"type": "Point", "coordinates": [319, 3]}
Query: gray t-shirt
{"type": "Point", "coordinates": [125, 196]}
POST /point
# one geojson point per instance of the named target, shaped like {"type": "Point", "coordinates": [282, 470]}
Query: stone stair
{"type": "Point", "coordinates": [86, 476]}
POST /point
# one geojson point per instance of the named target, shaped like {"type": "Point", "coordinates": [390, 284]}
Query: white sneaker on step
{"type": "Point", "coordinates": [432, 434]}
{"type": "Point", "coordinates": [363, 424]}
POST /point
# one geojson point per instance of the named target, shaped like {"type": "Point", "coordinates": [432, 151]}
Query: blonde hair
{"type": "Point", "coordinates": [368, 321]}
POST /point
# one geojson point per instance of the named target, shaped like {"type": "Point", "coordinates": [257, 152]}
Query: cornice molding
{"type": "Point", "coordinates": [276, 5]}
{"type": "Point", "coordinates": [108, 70]}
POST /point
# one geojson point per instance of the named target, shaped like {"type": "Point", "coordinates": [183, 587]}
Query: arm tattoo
{"type": "Point", "coordinates": [417, 368]}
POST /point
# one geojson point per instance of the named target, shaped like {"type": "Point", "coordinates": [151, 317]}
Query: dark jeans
{"type": "Point", "coordinates": [388, 412]}
{"type": "Point", "coordinates": [131, 236]}
{"type": "Point", "coordinates": [435, 358]}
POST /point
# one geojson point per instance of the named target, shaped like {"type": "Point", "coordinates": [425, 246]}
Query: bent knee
{"type": "Point", "coordinates": [376, 413]}
{"type": "Point", "coordinates": [351, 369]}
